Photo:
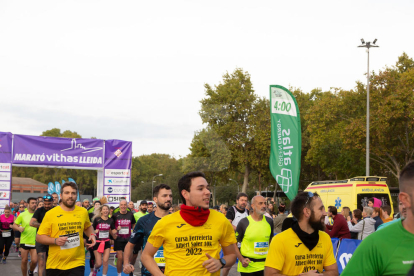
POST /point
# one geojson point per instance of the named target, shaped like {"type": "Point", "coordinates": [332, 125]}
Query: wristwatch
{"type": "Point", "coordinates": [223, 262]}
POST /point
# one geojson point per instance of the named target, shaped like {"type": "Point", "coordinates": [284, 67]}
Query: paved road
{"type": "Point", "coordinates": [12, 267]}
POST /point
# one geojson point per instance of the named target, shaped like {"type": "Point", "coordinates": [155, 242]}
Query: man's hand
{"type": "Point", "coordinates": [212, 265]}
{"type": "Point", "coordinates": [21, 229]}
{"type": "Point", "coordinates": [310, 273]}
{"type": "Point", "coordinates": [245, 262]}
{"type": "Point", "coordinates": [354, 220]}
{"type": "Point", "coordinates": [129, 268]}
{"type": "Point", "coordinates": [348, 218]}
{"type": "Point", "coordinates": [119, 227]}
{"type": "Point", "coordinates": [93, 240]}
{"type": "Point", "coordinates": [61, 241]}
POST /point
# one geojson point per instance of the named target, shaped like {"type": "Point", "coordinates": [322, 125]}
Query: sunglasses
{"type": "Point", "coordinates": [48, 197]}
{"type": "Point", "coordinates": [310, 195]}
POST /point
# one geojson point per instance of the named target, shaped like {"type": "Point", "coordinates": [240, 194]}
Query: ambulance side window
{"type": "Point", "coordinates": [362, 199]}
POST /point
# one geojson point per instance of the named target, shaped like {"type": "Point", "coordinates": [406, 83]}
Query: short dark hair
{"type": "Point", "coordinates": [54, 193]}
{"type": "Point", "coordinates": [301, 201]}
{"type": "Point", "coordinates": [112, 207]}
{"type": "Point", "coordinates": [358, 214]}
{"type": "Point", "coordinates": [31, 198]}
{"type": "Point", "coordinates": [239, 195]}
{"type": "Point", "coordinates": [386, 208]}
{"type": "Point", "coordinates": [371, 199]}
{"type": "Point", "coordinates": [70, 184]}
{"type": "Point", "coordinates": [282, 208]}
{"type": "Point", "coordinates": [158, 188]}
{"type": "Point", "coordinates": [185, 182]}
{"type": "Point", "coordinates": [406, 175]}
{"type": "Point", "coordinates": [333, 210]}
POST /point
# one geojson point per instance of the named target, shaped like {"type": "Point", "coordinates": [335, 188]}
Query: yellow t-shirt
{"type": "Point", "coordinates": [288, 254]}
{"type": "Point", "coordinates": [58, 222]}
{"type": "Point", "coordinates": [185, 246]}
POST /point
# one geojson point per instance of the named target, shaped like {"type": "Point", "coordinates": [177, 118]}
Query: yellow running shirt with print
{"type": "Point", "coordinates": [289, 255]}
{"type": "Point", "coordinates": [72, 224]}
{"type": "Point", "coordinates": [185, 246]}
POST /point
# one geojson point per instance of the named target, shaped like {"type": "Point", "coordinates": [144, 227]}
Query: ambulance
{"type": "Point", "coordinates": [353, 193]}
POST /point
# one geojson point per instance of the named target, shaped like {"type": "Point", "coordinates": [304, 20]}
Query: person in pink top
{"type": "Point", "coordinates": [6, 233]}
{"type": "Point", "coordinates": [374, 202]}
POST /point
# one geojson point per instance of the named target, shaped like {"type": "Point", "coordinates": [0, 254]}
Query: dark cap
{"type": "Point", "coordinates": [48, 197]}
{"type": "Point", "coordinates": [150, 203]}
{"type": "Point", "coordinates": [143, 202]}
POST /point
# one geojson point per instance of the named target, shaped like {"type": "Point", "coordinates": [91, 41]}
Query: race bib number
{"type": "Point", "coordinates": [159, 258]}
{"type": "Point", "coordinates": [30, 245]}
{"type": "Point", "coordinates": [6, 234]}
{"type": "Point", "coordinates": [104, 234]}
{"type": "Point", "coordinates": [72, 241]}
{"type": "Point", "coordinates": [124, 231]}
{"type": "Point", "coordinates": [261, 248]}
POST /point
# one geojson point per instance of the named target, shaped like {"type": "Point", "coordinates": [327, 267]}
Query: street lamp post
{"type": "Point", "coordinates": [367, 45]}
{"type": "Point", "coordinates": [236, 183]}
{"type": "Point", "coordinates": [266, 189]}
{"type": "Point", "coordinates": [152, 184]}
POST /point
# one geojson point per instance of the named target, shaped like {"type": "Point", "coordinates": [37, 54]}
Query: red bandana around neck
{"type": "Point", "coordinates": [195, 216]}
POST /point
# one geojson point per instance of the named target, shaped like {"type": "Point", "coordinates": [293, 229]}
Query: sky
{"type": "Point", "coordinates": [135, 70]}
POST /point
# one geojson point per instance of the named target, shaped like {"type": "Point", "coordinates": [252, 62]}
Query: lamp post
{"type": "Point", "coordinates": [236, 183]}
{"type": "Point", "coordinates": [367, 45]}
{"type": "Point", "coordinates": [152, 184]}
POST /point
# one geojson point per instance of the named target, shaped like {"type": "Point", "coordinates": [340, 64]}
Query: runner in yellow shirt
{"type": "Point", "coordinates": [62, 229]}
{"type": "Point", "coordinates": [193, 237]}
{"type": "Point", "coordinates": [304, 249]}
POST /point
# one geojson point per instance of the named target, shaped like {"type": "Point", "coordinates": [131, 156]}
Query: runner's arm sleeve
{"type": "Point", "coordinates": [228, 237]}
{"type": "Point", "coordinates": [270, 221]}
{"type": "Point", "coordinates": [157, 236]}
{"type": "Point", "coordinates": [138, 234]}
{"type": "Point", "coordinates": [365, 260]}
{"type": "Point", "coordinates": [95, 223]}
{"type": "Point", "coordinates": [112, 225]}
{"type": "Point", "coordinates": [241, 229]}
{"type": "Point", "coordinates": [230, 214]}
{"type": "Point", "coordinates": [276, 255]}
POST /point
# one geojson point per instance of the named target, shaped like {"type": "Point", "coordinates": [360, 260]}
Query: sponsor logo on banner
{"type": "Point", "coordinates": [5, 176]}
{"type": "Point", "coordinates": [3, 203]}
{"type": "Point", "coordinates": [117, 190]}
{"type": "Point", "coordinates": [116, 172]}
{"type": "Point", "coordinates": [4, 185]}
{"type": "Point", "coordinates": [118, 153]}
{"type": "Point", "coordinates": [117, 181]}
{"type": "Point", "coordinates": [115, 198]}
{"type": "Point", "coordinates": [75, 145]}
{"type": "Point", "coordinates": [4, 195]}
{"type": "Point", "coordinates": [5, 167]}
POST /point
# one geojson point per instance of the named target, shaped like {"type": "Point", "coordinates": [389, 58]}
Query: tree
{"type": "Point", "coordinates": [226, 110]}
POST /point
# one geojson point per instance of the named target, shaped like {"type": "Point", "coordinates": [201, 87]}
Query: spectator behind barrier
{"type": "Point", "coordinates": [340, 227]}
{"type": "Point", "coordinates": [376, 214]}
{"type": "Point", "coordinates": [366, 226]}
{"type": "Point", "coordinates": [356, 217]}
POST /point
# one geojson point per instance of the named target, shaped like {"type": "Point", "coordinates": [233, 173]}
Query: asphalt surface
{"type": "Point", "coordinates": [12, 267]}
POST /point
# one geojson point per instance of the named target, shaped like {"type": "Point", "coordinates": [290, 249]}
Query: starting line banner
{"type": "Point", "coordinates": [111, 158]}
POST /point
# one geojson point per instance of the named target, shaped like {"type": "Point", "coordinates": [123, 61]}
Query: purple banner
{"type": "Point", "coordinates": [118, 154]}
{"type": "Point", "coordinates": [5, 169]}
{"type": "Point", "coordinates": [52, 151]}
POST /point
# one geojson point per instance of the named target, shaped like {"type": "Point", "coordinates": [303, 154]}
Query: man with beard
{"type": "Point", "coordinates": [28, 237]}
{"type": "Point", "coordinates": [36, 220]}
{"type": "Point", "coordinates": [193, 237]}
{"type": "Point", "coordinates": [163, 198]}
{"type": "Point", "coordinates": [304, 248]}
{"type": "Point", "coordinates": [62, 229]}
{"type": "Point", "coordinates": [143, 205]}
{"type": "Point", "coordinates": [390, 250]}
{"type": "Point", "coordinates": [254, 233]}
{"type": "Point", "coordinates": [150, 207]}
{"type": "Point", "coordinates": [340, 227]}
{"type": "Point", "coordinates": [124, 222]}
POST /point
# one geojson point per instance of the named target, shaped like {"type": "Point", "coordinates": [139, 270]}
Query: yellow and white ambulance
{"type": "Point", "coordinates": [353, 193]}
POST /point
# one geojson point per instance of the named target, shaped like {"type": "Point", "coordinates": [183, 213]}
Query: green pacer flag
{"type": "Point", "coordinates": [286, 140]}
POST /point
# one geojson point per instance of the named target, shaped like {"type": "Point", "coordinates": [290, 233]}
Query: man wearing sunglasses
{"type": "Point", "coordinates": [305, 248]}
{"type": "Point", "coordinates": [36, 220]}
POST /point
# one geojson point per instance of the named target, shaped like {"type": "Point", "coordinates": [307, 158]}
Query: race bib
{"type": "Point", "coordinates": [159, 258]}
{"type": "Point", "coordinates": [104, 234]}
{"type": "Point", "coordinates": [124, 231]}
{"type": "Point", "coordinates": [6, 234]}
{"type": "Point", "coordinates": [72, 241]}
{"type": "Point", "coordinates": [30, 245]}
{"type": "Point", "coordinates": [261, 248]}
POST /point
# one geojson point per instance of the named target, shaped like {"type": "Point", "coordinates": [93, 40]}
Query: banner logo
{"type": "Point", "coordinates": [5, 176]}
{"type": "Point", "coordinates": [120, 190]}
{"type": "Point", "coordinates": [117, 181]}
{"type": "Point", "coordinates": [74, 145]}
{"type": "Point", "coordinates": [5, 185]}
{"type": "Point", "coordinates": [5, 167]}
{"type": "Point", "coordinates": [118, 153]}
{"type": "Point", "coordinates": [344, 259]}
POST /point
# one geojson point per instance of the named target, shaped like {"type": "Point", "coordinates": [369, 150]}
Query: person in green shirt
{"type": "Point", "coordinates": [143, 206]}
{"type": "Point", "coordinates": [28, 236]}
{"type": "Point", "coordinates": [254, 232]}
{"type": "Point", "coordinates": [390, 250]}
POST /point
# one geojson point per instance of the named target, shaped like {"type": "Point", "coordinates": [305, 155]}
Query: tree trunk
{"type": "Point", "coordinates": [260, 185]}
{"type": "Point", "coordinates": [246, 178]}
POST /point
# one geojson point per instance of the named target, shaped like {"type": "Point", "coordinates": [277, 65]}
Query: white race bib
{"type": "Point", "coordinates": [6, 234]}
{"type": "Point", "coordinates": [159, 258]}
{"type": "Point", "coordinates": [124, 231]}
{"type": "Point", "coordinates": [104, 234]}
{"type": "Point", "coordinates": [72, 241]}
{"type": "Point", "coordinates": [261, 248]}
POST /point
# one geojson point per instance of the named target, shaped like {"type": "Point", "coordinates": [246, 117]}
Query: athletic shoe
{"type": "Point", "coordinates": [115, 260]}
{"type": "Point", "coordinates": [95, 272]}
{"type": "Point", "coordinates": [30, 273]}
{"type": "Point", "coordinates": [20, 255]}
{"type": "Point", "coordinates": [4, 261]}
